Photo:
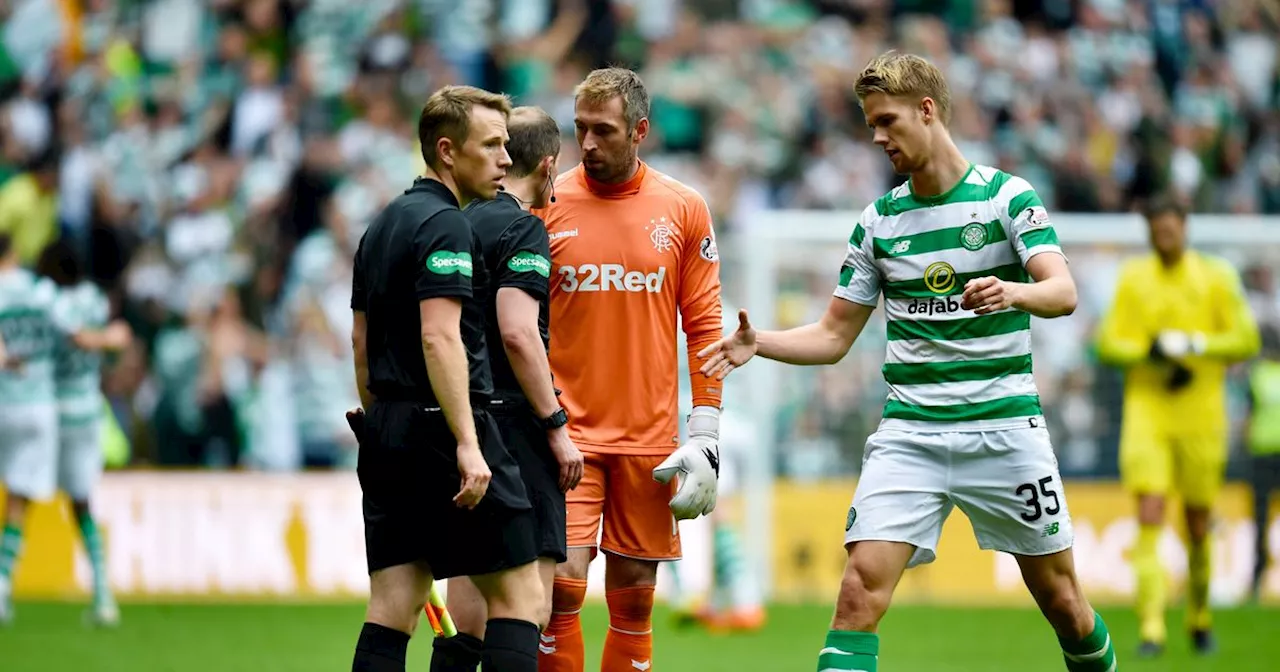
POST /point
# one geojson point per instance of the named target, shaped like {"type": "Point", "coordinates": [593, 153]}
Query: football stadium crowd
{"type": "Point", "coordinates": [216, 161]}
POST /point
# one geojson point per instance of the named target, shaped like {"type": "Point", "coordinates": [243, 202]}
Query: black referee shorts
{"type": "Point", "coordinates": [408, 472]}
{"type": "Point", "coordinates": [526, 440]}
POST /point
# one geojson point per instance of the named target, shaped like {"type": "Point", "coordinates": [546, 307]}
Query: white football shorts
{"type": "Point", "coordinates": [1005, 481]}
{"type": "Point", "coordinates": [29, 450]}
{"type": "Point", "coordinates": [79, 458]}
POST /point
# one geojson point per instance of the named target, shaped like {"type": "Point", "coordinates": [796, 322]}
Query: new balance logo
{"type": "Point", "coordinates": [1049, 530]}
{"type": "Point", "coordinates": [900, 247]}
{"type": "Point", "coordinates": [640, 666]}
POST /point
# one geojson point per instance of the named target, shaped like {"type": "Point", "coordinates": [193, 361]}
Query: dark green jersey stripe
{"type": "Point", "coordinates": [846, 275]}
{"type": "Point", "coordinates": [858, 234]}
{"type": "Point", "coordinates": [955, 372]}
{"type": "Point", "coordinates": [941, 281]}
{"type": "Point", "coordinates": [1034, 237]}
{"type": "Point", "coordinates": [996, 409]}
{"type": "Point", "coordinates": [957, 330]}
{"type": "Point", "coordinates": [963, 192]}
{"type": "Point", "coordinates": [932, 241]}
{"type": "Point", "coordinates": [1026, 199]}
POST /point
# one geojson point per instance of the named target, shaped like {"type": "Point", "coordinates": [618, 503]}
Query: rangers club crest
{"type": "Point", "coordinates": [660, 234]}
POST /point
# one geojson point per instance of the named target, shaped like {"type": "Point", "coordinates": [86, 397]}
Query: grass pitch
{"type": "Point", "coordinates": [312, 638]}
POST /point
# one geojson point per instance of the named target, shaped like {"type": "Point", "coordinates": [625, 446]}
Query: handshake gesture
{"type": "Point", "coordinates": [730, 352]}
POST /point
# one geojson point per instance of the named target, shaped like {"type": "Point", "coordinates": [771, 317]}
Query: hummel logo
{"type": "Point", "coordinates": [713, 458]}
{"type": "Point", "coordinates": [640, 666]}
{"type": "Point", "coordinates": [900, 247]}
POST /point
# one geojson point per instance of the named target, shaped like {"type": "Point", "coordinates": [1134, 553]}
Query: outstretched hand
{"type": "Point", "coordinates": [730, 352]}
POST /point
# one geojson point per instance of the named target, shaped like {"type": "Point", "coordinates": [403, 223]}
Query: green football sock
{"type": "Point", "coordinates": [93, 548]}
{"type": "Point", "coordinates": [10, 546]}
{"type": "Point", "coordinates": [1094, 653]}
{"type": "Point", "coordinates": [848, 651]}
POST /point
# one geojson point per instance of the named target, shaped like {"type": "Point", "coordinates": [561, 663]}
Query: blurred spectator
{"type": "Point", "coordinates": [218, 159]}
{"type": "Point", "coordinates": [29, 208]}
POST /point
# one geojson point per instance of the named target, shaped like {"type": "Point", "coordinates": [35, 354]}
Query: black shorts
{"type": "Point", "coordinates": [408, 472]}
{"type": "Point", "coordinates": [526, 440]}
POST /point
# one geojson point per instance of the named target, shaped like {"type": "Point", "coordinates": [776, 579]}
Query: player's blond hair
{"type": "Point", "coordinates": [905, 75]}
{"type": "Point", "coordinates": [447, 114]}
{"type": "Point", "coordinates": [605, 84]}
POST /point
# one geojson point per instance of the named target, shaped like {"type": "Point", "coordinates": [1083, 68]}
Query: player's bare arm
{"type": "Point", "coordinates": [518, 322]}
{"type": "Point", "coordinates": [446, 359]}
{"type": "Point", "coordinates": [112, 338]}
{"type": "Point", "coordinates": [360, 352]}
{"type": "Point", "coordinates": [1051, 294]}
{"type": "Point", "coordinates": [826, 341]}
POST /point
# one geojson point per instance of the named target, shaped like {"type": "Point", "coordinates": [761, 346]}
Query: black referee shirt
{"type": "Point", "coordinates": [517, 253]}
{"type": "Point", "coordinates": [419, 247]}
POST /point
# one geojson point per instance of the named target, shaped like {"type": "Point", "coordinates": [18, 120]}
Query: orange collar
{"type": "Point", "coordinates": [629, 188]}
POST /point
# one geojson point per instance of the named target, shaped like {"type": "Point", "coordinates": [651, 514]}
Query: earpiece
{"type": "Point", "coordinates": [552, 182]}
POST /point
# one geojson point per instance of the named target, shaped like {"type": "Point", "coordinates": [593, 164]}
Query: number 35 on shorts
{"type": "Point", "coordinates": [1041, 499]}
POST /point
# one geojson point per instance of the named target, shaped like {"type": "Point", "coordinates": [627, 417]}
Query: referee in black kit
{"type": "Point", "coordinates": [517, 256]}
{"type": "Point", "coordinates": [442, 496]}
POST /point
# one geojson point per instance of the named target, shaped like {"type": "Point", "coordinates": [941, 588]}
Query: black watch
{"type": "Point", "coordinates": [556, 420]}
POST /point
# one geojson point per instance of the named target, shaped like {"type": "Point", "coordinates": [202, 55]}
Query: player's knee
{"type": "Point", "coordinates": [515, 593]}
{"type": "Point", "coordinates": [1151, 509]}
{"type": "Point", "coordinates": [620, 572]}
{"type": "Point", "coordinates": [1063, 603]}
{"type": "Point", "coordinates": [397, 595]}
{"type": "Point", "coordinates": [397, 610]}
{"type": "Point", "coordinates": [860, 605]}
{"type": "Point", "coordinates": [1197, 524]}
{"type": "Point", "coordinates": [576, 566]}
{"type": "Point", "coordinates": [15, 507]}
{"type": "Point", "coordinates": [466, 606]}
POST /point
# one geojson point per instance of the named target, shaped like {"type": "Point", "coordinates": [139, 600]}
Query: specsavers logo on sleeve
{"type": "Point", "coordinates": [444, 263]}
{"type": "Point", "coordinates": [524, 262]}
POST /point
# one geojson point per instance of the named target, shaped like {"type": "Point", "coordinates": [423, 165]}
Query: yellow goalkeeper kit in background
{"type": "Point", "coordinates": [1175, 329]}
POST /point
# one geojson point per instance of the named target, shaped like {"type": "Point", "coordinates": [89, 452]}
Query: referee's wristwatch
{"type": "Point", "coordinates": [556, 420]}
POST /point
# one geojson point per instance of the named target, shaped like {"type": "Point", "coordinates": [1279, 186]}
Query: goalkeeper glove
{"type": "Point", "coordinates": [1174, 344]}
{"type": "Point", "coordinates": [698, 464]}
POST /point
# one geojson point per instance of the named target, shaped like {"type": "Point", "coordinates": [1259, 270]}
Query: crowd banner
{"type": "Point", "coordinates": [238, 536]}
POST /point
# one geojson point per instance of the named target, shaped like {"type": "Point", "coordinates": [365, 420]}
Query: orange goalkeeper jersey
{"type": "Point", "coordinates": [629, 262]}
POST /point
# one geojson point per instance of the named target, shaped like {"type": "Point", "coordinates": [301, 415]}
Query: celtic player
{"type": "Point", "coordinates": [28, 410]}
{"type": "Point", "coordinates": [963, 256]}
{"type": "Point", "coordinates": [81, 311]}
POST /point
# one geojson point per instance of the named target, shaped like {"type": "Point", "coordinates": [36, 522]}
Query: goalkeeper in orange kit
{"type": "Point", "coordinates": [1178, 321]}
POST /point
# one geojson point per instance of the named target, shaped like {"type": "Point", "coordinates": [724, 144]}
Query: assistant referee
{"type": "Point", "coordinates": [442, 496]}
{"type": "Point", "coordinates": [517, 257]}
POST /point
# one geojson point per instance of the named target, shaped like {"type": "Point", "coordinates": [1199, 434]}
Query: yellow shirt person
{"type": "Point", "coordinates": [29, 214]}
{"type": "Point", "coordinates": [1179, 320]}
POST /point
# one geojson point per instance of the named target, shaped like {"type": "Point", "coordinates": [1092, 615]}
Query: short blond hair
{"type": "Point", "coordinates": [605, 84]}
{"type": "Point", "coordinates": [905, 75]}
{"type": "Point", "coordinates": [447, 114]}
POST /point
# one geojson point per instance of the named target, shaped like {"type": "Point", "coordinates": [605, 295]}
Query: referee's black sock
{"type": "Point", "coordinates": [459, 653]}
{"type": "Point", "coordinates": [510, 646]}
{"type": "Point", "coordinates": [380, 649]}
